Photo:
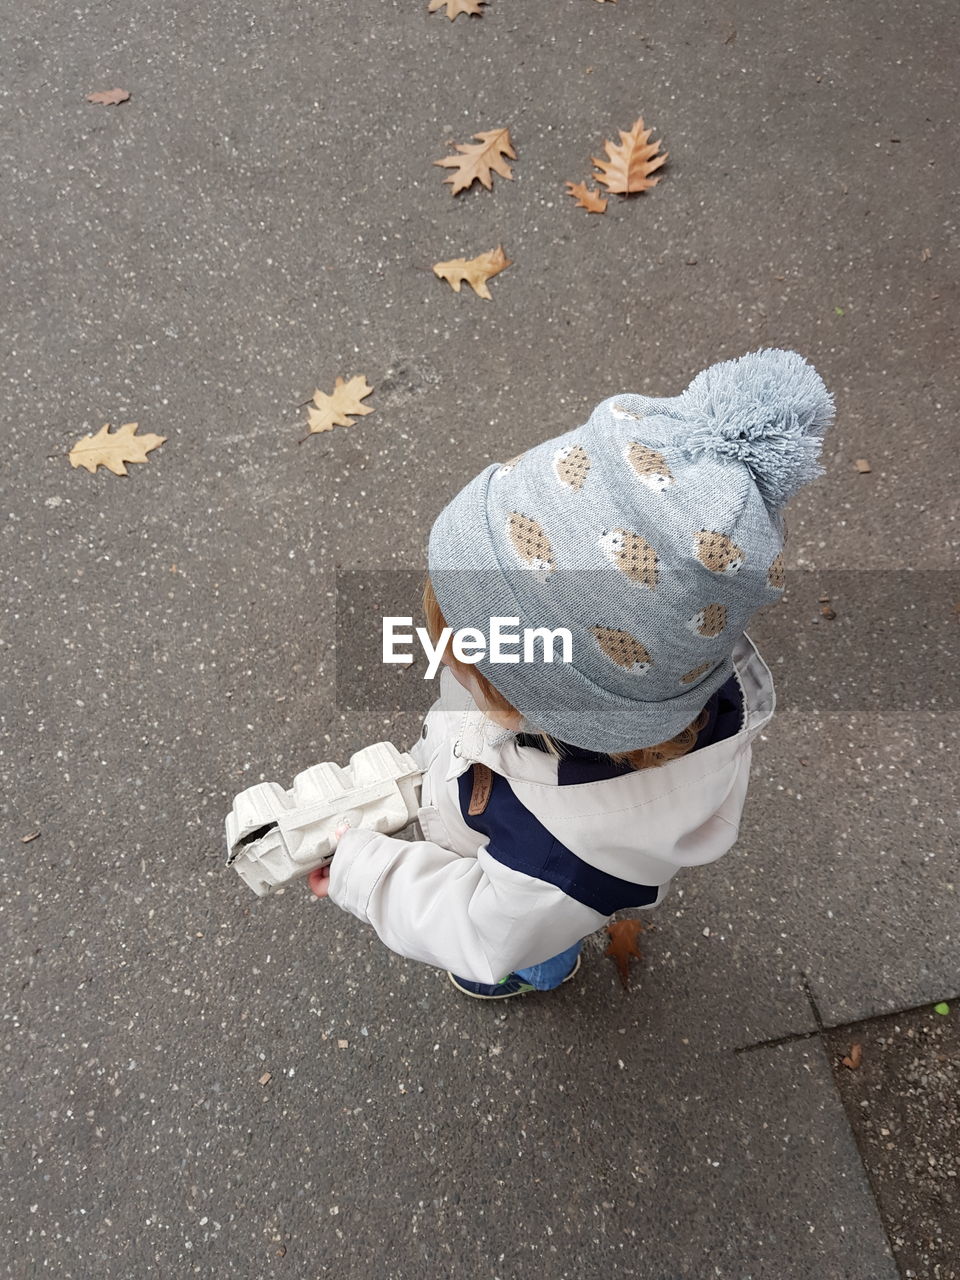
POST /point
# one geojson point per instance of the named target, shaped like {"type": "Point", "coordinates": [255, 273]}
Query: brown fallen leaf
{"type": "Point", "coordinates": [855, 1057]}
{"type": "Point", "coordinates": [827, 612]}
{"type": "Point", "coordinates": [32, 836]}
{"type": "Point", "coordinates": [477, 160]}
{"type": "Point", "coordinates": [455, 7]}
{"type": "Point", "coordinates": [632, 160]}
{"type": "Point", "coordinates": [476, 271]}
{"type": "Point", "coordinates": [327, 412]}
{"type": "Point", "coordinates": [109, 97]}
{"type": "Point", "coordinates": [586, 197]}
{"type": "Point", "coordinates": [863, 466]}
{"type": "Point", "coordinates": [623, 946]}
{"type": "Point", "coordinates": [112, 451]}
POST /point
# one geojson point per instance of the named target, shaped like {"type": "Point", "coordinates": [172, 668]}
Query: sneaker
{"type": "Point", "coordinates": [511, 985]}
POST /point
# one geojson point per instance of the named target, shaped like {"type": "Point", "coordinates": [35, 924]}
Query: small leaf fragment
{"type": "Point", "coordinates": [329, 411]}
{"type": "Point", "coordinates": [853, 1060]}
{"type": "Point", "coordinates": [32, 836]}
{"type": "Point", "coordinates": [112, 451]}
{"type": "Point", "coordinates": [476, 271]}
{"type": "Point", "coordinates": [623, 946]}
{"type": "Point", "coordinates": [109, 97]}
{"type": "Point", "coordinates": [942, 1008]}
{"type": "Point", "coordinates": [586, 197]}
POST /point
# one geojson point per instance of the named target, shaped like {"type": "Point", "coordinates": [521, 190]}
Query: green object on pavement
{"type": "Point", "coordinates": [943, 1008]}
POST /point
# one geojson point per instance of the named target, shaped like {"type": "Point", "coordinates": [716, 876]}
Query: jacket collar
{"type": "Point", "coordinates": [480, 739]}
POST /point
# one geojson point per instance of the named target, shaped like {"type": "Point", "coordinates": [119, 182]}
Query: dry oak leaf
{"type": "Point", "coordinates": [623, 946]}
{"type": "Point", "coordinates": [476, 271]}
{"type": "Point", "coordinates": [109, 97]}
{"type": "Point", "coordinates": [586, 197]}
{"type": "Point", "coordinates": [455, 7]}
{"type": "Point", "coordinates": [479, 159]}
{"type": "Point", "coordinates": [632, 160]}
{"type": "Point", "coordinates": [112, 451]}
{"type": "Point", "coordinates": [328, 412]}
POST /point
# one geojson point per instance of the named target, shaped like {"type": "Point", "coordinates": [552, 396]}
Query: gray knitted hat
{"type": "Point", "coordinates": [652, 533]}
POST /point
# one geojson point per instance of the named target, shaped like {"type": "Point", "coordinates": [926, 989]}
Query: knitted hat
{"type": "Point", "coordinates": [652, 533]}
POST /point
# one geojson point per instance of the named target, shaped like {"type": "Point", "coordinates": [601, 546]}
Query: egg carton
{"type": "Point", "coordinates": [276, 836]}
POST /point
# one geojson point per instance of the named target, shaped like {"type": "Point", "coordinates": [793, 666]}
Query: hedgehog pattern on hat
{"type": "Point", "coordinates": [696, 673]}
{"type": "Point", "coordinates": [618, 411]}
{"type": "Point", "coordinates": [649, 467]}
{"type": "Point", "coordinates": [623, 649]}
{"type": "Point", "coordinates": [717, 552]}
{"type": "Point", "coordinates": [571, 465]}
{"type": "Point", "coordinates": [710, 621]}
{"type": "Point", "coordinates": [530, 543]}
{"type": "Point", "coordinates": [632, 555]}
{"type": "Point", "coordinates": [506, 467]}
{"type": "Point", "coordinates": [776, 574]}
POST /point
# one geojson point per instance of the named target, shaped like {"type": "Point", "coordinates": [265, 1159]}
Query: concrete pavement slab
{"type": "Point", "coordinates": [902, 1103]}
{"type": "Point", "coordinates": [365, 1117]}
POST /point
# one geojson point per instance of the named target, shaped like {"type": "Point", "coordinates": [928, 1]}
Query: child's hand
{"type": "Point", "coordinates": [319, 881]}
{"type": "Point", "coordinates": [319, 877]}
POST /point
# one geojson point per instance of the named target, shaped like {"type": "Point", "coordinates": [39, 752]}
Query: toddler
{"type": "Point", "coordinates": [556, 793]}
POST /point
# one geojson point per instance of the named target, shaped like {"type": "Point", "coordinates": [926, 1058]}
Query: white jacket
{"type": "Point", "coordinates": [482, 905]}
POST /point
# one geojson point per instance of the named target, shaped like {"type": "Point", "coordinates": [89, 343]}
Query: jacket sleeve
{"type": "Point", "coordinates": [471, 915]}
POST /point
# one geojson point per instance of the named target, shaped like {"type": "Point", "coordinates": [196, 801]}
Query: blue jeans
{"type": "Point", "coordinates": [552, 972]}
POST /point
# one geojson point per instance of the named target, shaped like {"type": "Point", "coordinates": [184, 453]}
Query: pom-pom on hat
{"type": "Point", "coordinates": [652, 533]}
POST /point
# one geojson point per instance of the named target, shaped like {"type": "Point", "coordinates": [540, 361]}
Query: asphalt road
{"type": "Point", "coordinates": [259, 218]}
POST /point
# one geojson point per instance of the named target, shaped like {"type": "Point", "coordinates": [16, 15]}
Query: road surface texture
{"type": "Point", "coordinates": [259, 218]}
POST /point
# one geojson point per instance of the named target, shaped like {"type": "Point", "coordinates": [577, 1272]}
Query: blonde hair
{"type": "Point", "coordinates": [640, 758]}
